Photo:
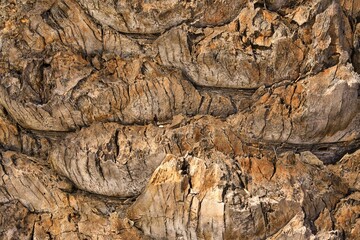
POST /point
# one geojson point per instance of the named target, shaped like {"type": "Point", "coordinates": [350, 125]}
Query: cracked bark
{"type": "Point", "coordinates": [179, 119]}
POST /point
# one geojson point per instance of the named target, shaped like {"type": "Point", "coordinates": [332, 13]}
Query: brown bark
{"type": "Point", "coordinates": [179, 119]}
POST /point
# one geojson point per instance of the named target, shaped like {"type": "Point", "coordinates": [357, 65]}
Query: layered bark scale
{"type": "Point", "coordinates": [179, 119]}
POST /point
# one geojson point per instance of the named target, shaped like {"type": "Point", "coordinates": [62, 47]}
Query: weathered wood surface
{"type": "Point", "coordinates": [170, 119]}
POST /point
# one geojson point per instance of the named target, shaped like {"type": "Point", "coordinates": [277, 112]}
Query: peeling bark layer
{"type": "Point", "coordinates": [179, 119]}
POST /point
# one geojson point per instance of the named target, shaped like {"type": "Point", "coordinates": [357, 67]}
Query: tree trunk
{"type": "Point", "coordinates": [170, 119]}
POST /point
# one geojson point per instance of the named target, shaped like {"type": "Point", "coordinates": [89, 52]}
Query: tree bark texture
{"type": "Point", "coordinates": [174, 119]}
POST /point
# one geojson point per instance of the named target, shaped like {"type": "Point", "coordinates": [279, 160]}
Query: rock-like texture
{"type": "Point", "coordinates": [180, 119]}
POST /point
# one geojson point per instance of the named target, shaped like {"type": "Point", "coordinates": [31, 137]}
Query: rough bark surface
{"type": "Point", "coordinates": [167, 119]}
